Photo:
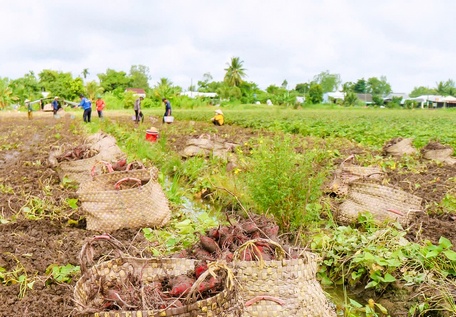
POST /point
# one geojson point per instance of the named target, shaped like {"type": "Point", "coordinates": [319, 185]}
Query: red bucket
{"type": "Point", "coordinates": [151, 136]}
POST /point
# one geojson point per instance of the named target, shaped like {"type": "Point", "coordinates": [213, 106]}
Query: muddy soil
{"type": "Point", "coordinates": [48, 231]}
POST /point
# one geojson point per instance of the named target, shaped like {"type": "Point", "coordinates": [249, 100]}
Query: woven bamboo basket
{"type": "Point", "coordinates": [78, 170]}
{"type": "Point", "coordinates": [384, 202]}
{"type": "Point", "coordinates": [105, 275]}
{"type": "Point", "coordinates": [281, 288]}
{"type": "Point", "coordinates": [109, 209]}
{"type": "Point", "coordinates": [347, 174]}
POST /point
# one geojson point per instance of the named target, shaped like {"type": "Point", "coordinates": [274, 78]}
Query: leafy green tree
{"type": "Point", "coordinates": [93, 89]}
{"type": "Point", "coordinates": [360, 86]}
{"type": "Point", "coordinates": [348, 87]}
{"type": "Point", "coordinates": [114, 80]}
{"type": "Point", "coordinates": [235, 73]}
{"type": "Point", "coordinates": [165, 89]}
{"type": "Point", "coordinates": [446, 88]}
{"type": "Point", "coordinates": [350, 99]}
{"type": "Point", "coordinates": [203, 85]}
{"type": "Point", "coordinates": [249, 92]}
{"type": "Point", "coordinates": [60, 84]}
{"type": "Point", "coordinates": [328, 82]}
{"type": "Point", "coordinates": [315, 93]}
{"type": "Point", "coordinates": [302, 88]}
{"type": "Point", "coordinates": [285, 84]}
{"type": "Point", "coordinates": [377, 86]}
{"type": "Point", "coordinates": [6, 94]}
{"type": "Point", "coordinates": [421, 90]}
{"type": "Point", "coordinates": [140, 77]}
{"type": "Point", "coordinates": [273, 89]}
{"type": "Point", "coordinates": [26, 87]}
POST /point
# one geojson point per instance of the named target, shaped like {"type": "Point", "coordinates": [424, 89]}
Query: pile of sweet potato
{"type": "Point", "coordinates": [130, 293]}
{"type": "Point", "coordinates": [79, 152]}
{"type": "Point", "coordinates": [222, 242]}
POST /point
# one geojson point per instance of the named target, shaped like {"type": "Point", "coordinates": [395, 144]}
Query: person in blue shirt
{"type": "Point", "coordinates": [167, 108]}
{"type": "Point", "coordinates": [86, 104]}
{"type": "Point", "coordinates": [55, 105]}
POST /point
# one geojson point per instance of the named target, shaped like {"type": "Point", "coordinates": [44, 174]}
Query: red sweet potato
{"type": "Point", "coordinates": [209, 244]}
{"type": "Point", "coordinates": [200, 268]}
{"type": "Point", "coordinates": [249, 227]}
{"type": "Point", "coordinates": [180, 285]}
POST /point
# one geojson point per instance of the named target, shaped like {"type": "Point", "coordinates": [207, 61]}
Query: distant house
{"type": "Point", "coordinates": [365, 98]}
{"type": "Point", "coordinates": [137, 92]}
{"type": "Point", "coordinates": [435, 101]}
{"type": "Point", "coordinates": [392, 95]}
{"type": "Point", "coordinates": [196, 94]}
{"type": "Point", "coordinates": [333, 96]}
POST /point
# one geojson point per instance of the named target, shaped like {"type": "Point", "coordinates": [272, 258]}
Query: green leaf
{"type": "Point", "coordinates": [355, 303]}
{"type": "Point", "coordinates": [388, 278]}
{"type": "Point", "coordinates": [445, 243]}
{"type": "Point", "coordinates": [72, 202]}
{"type": "Point", "coordinates": [371, 284]}
{"type": "Point", "coordinates": [432, 254]}
{"type": "Point", "coordinates": [382, 308]}
{"type": "Point", "coordinates": [450, 254]}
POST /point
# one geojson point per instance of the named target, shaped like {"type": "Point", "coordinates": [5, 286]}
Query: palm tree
{"type": "Point", "coordinates": [165, 89]}
{"type": "Point", "coordinates": [235, 72]}
{"type": "Point", "coordinates": [85, 72]}
{"type": "Point", "coordinates": [6, 94]}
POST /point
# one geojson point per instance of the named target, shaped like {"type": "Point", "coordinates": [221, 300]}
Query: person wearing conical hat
{"type": "Point", "coordinates": [218, 119]}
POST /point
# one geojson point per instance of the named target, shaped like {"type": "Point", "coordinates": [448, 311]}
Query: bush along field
{"type": "Point", "coordinates": [281, 163]}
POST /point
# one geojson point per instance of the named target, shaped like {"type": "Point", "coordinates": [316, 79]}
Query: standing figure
{"type": "Point", "coordinates": [86, 104]}
{"type": "Point", "coordinates": [29, 108]}
{"type": "Point", "coordinates": [138, 113]}
{"type": "Point", "coordinates": [218, 118]}
{"type": "Point", "coordinates": [100, 106]}
{"type": "Point", "coordinates": [55, 105]}
{"type": "Point", "coordinates": [168, 111]}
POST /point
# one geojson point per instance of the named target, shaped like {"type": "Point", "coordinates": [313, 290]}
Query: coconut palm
{"type": "Point", "coordinates": [235, 72]}
{"type": "Point", "coordinates": [6, 94]}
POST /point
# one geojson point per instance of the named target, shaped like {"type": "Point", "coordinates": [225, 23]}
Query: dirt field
{"type": "Point", "coordinates": [30, 246]}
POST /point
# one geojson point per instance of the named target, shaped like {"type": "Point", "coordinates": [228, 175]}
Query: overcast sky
{"type": "Point", "coordinates": [412, 42]}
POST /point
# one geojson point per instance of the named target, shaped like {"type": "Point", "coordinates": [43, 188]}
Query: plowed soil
{"type": "Point", "coordinates": [39, 228]}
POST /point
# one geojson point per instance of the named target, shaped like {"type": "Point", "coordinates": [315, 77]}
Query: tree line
{"type": "Point", "coordinates": [233, 88]}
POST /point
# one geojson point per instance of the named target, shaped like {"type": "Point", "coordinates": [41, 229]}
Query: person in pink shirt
{"type": "Point", "coordinates": [100, 106]}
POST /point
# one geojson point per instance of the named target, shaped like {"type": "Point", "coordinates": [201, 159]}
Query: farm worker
{"type": "Point", "coordinates": [218, 119]}
{"type": "Point", "coordinates": [100, 106]}
{"type": "Point", "coordinates": [86, 104]}
{"type": "Point", "coordinates": [138, 112]}
{"type": "Point", "coordinates": [29, 108]}
{"type": "Point", "coordinates": [55, 105]}
{"type": "Point", "coordinates": [168, 111]}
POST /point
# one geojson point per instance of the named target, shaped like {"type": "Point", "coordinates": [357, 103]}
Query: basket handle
{"type": "Point", "coordinates": [117, 185]}
{"type": "Point", "coordinates": [107, 164]}
{"type": "Point", "coordinates": [254, 243]}
{"type": "Point", "coordinates": [87, 252]}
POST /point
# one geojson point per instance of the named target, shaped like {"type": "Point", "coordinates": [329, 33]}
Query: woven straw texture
{"type": "Point", "coordinates": [79, 170]}
{"type": "Point", "coordinates": [109, 209]}
{"type": "Point", "coordinates": [400, 148]}
{"type": "Point", "coordinates": [289, 288]}
{"type": "Point", "coordinates": [224, 304]}
{"type": "Point", "coordinates": [385, 203]}
{"type": "Point", "coordinates": [347, 174]}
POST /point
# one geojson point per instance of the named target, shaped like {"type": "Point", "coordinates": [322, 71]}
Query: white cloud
{"type": "Point", "coordinates": [409, 42]}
